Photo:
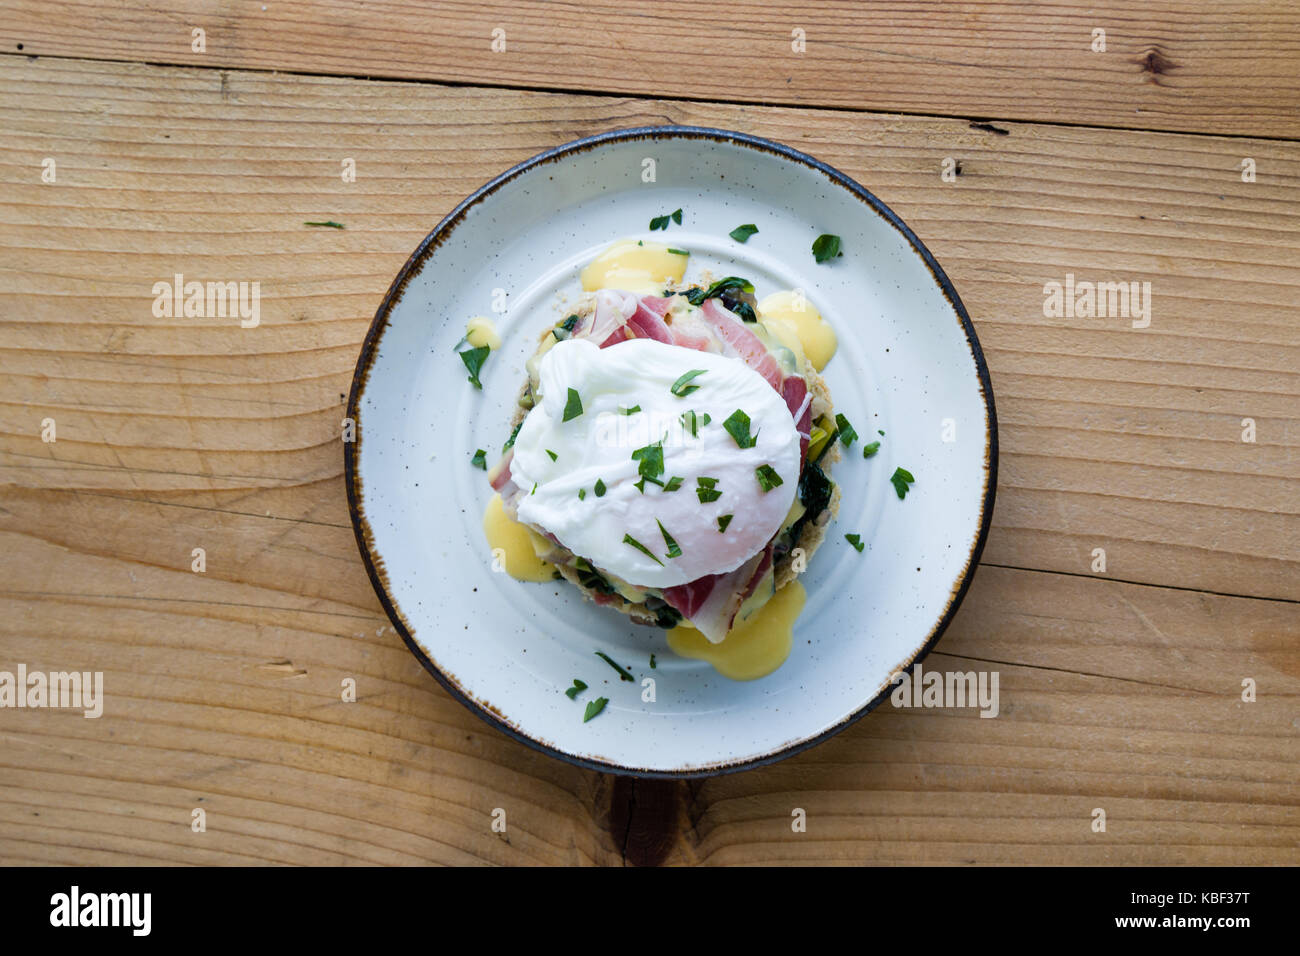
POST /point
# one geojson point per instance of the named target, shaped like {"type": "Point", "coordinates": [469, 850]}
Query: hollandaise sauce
{"type": "Point", "coordinates": [753, 648]}
{"type": "Point", "coordinates": [481, 331]}
{"type": "Point", "coordinates": [792, 318]}
{"type": "Point", "coordinates": [513, 546]}
{"type": "Point", "coordinates": [635, 266]}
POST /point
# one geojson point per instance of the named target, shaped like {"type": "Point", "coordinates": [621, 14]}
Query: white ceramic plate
{"type": "Point", "coordinates": [908, 359]}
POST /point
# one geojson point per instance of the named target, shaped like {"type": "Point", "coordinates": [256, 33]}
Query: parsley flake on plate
{"type": "Point", "coordinates": [474, 359]}
{"type": "Point", "coordinates": [902, 479]}
{"type": "Point", "coordinates": [623, 673]}
{"type": "Point", "coordinates": [826, 247]}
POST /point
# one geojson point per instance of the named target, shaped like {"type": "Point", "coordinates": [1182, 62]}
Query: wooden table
{"type": "Point", "coordinates": [1120, 690]}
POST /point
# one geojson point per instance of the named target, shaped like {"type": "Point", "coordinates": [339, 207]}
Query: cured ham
{"type": "Point", "coordinates": [500, 476]}
{"type": "Point", "coordinates": [613, 309]}
{"type": "Point", "coordinates": [644, 323]}
{"type": "Point", "coordinates": [742, 342]}
{"type": "Point", "coordinates": [795, 392]}
{"type": "Point", "coordinates": [712, 602]}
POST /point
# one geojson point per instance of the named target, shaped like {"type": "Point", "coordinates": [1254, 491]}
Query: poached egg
{"type": "Point", "coordinates": [580, 479]}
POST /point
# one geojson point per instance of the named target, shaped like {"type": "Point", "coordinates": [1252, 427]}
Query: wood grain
{"type": "Point", "coordinates": [1113, 437]}
{"type": "Point", "coordinates": [224, 687]}
{"type": "Point", "coordinates": [1229, 67]}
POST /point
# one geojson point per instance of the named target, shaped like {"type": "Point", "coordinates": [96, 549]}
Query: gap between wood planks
{"type": "Point", "coordinates": [985, 123]}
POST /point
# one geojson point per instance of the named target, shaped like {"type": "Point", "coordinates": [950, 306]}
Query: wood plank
{"type": "Point", "coordinates": [1112, 437]}
{"type": "Point", "coordinates": [1223, 68]}
{"type": "Point", "coordinates": [223, 693]}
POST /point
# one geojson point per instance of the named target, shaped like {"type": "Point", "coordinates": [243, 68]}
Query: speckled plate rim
{"type": "Point", "coordinates": [443, 232]}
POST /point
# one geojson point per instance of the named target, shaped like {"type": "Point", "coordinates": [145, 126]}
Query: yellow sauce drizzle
{"type": "Point", "coordinates": [753, 648]}
{"type": "Point", "coordinates": [517, 552]}
{"type": "Point", "coordinates": [644, 268]}
{"type": "Point", "coordinates": [792, 318]}
{"type": "Point", "coordinates": [481, 331]}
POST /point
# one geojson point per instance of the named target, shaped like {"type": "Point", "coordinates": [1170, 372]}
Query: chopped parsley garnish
{"type": "Point", "coordinates": [600, 488]}
{"type": "Point", "coordinates": [826, 247]}
{"type": "Point", "coordinates": [767, 477]}
{"type": "Point", "coordinates": [628, 539]}
{"type": "Point", "coordinates": [661, 222]}
{"type": "Point", "coordinates": [691, 422]}
{"type": "Point", "coordinates": [511, 440]}
{"type": "Point", "coordinates": [723, 521]}
{"type": "Point", "coordinates": [869, 450]}
{"type": "Point", "coordinates": [679, 252]}
{"type": "Point", "coordinates": [737, 427]}
{"type": "Point", "coordinates": [534, 491]}
{"type": "Point", "coordinates": [479, 460]}
{"type": "Point", "coordinates": [696, 295]}
{"type": "Point", "coordinates": [582, 493]}
{"type": "Point", "coordinates": [855, 540]}
{"type": "Point", "coordinates": [629, 411]}
{"type": "Point", "coordinates": [554, 456]}
{"type": "Point", "coordinates": [847, 433]}
{"type": "Point", "coordinates": [640, 485]}
{"type": "Point", "coordinates": [742, 233]}
{"type": "Point", "coordinates": [880, 432]}
{"type": "Point", "coordinates": [680, 387]}
{"type": "Point", "coordinates": [623, 674]}
{"type": "Point", "coordinates": [573, 407]}
{"type": "Point", "coordinates": [651, 459]}
{"type": "Point", "coordinates": [653, 665]}
{"type": "Point", "coordinates": [674, 549]}
{"type": "Point", "coordinates": [902, 479]}
{"type": "Point", "coordinates": [594, 707]}
{"type": "Point", "coordinates": [673, 484]}
{"type": "Point", "coordinates": [706, 490]}
{"type": "Point", "coordinates": [577, 688]}
{"type": "Point", "coordinates": [474, 359]}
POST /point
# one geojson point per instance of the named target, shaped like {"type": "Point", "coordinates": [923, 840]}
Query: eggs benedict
{"type": "Point", "coordinates": [667, 456]}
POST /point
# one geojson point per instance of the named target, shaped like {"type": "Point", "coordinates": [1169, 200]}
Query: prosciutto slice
{"type": "Point", "coordinates": [742, 342]}
{"type": "Point", "coordinates": [613, 309]}
{"type": "Point", "coordinates": [711, 603]}
{"type": "Point", "coordinates": [647, 322]}
{"type": "Point", "coordinates": [795, 392]}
